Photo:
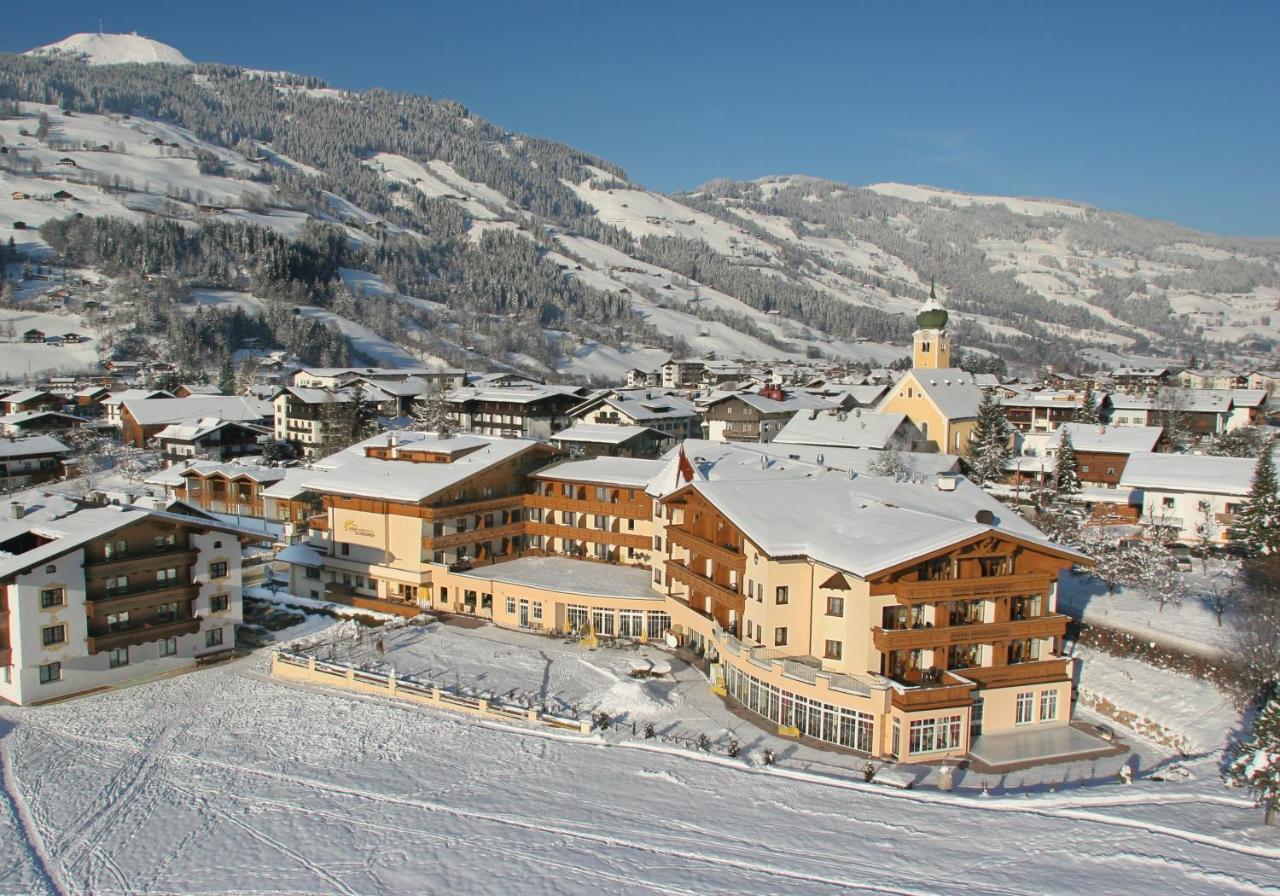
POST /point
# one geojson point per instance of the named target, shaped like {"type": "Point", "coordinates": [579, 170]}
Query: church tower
{"type": "Point", "coordinates": [932, 345]}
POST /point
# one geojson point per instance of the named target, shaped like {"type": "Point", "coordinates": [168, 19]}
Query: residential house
{"type": "Point", "coordinates": [31, 461]}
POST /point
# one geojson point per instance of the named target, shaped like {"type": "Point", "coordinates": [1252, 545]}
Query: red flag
{"type": "Point", "coordinates": [685, 469]}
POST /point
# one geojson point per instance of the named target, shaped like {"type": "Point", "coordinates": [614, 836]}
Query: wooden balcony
{"type": "Point", "coordinates": [581, 533]}
{"type": "Point", "coordinates": [1014, 674]}
{"type": "Point", "coordinates": [942, 696]}
{"type": "Point", "coordinates": [724, 593]}
{"type": "Point", "coordinates": [982, 588]}
{"type": "Point", "coordinates": [319, 522]}
{"type": "Point", "coordinates": [141, 634]}
{"type": "Point", "coordinates": [886, 640]}
{"type": "Point", "coordinates": [636, 510]}
{"type": "Point", "coordinates": [142, 561]}
{"type": "Point", "coordinates": [139, 598]}
{"type": "Point", "coordinates": [471, 536]}
{"type": "Point", "coordinates": [730, 556]}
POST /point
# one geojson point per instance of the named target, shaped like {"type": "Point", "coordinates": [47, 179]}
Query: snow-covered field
{"type": "Point", "coordinates": [1190, 625]}
{"type": "Point", "coordinates": [226, 781]}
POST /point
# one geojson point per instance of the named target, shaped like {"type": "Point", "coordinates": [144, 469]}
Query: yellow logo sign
{"type": "Point", "coordinates": [352, 527]}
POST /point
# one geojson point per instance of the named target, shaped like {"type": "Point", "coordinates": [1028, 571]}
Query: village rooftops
{"type": "Point", "coordinates": [629, 472]}
{"type": "Point", "coordinates": [791, 401]}
{"type": "Point", "coordinates": [567, 576]}
{"type": "Point", "coordinates": [1192, 400]}
{"type": "Point", "coordinates": [1189, 473]}
{"type": "Point", "coordinates": [514, 394]}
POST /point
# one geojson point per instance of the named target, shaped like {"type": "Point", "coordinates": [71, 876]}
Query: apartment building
{"type": "Point", "coordinates": [1194, 495]}
{"type": "Point", "coordinates": [1043, 411]}
{"type": "Point", "coordinates": [672, 415]}
{"type": "Point", "coordinates": [94, 595]}
{"type": "Point", "coordinates": [142, 420]}
{"type": "Point", "coordinates": [1102, 452]}
{"type": "Point", "coordinates": [519, 409]}
{"type": "Point", "coordinates": [758, 416]}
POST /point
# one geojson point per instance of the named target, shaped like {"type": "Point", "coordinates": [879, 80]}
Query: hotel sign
{"type": "Point", "coordinates": [353, 528]}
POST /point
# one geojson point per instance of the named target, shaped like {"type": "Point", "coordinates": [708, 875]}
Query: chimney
{"type": "Point", "coordinates": [16, 510]}
{"type": "Point", "coordinates": [946, 482]}
{"type": "Point", "coordinates": [821, 458]}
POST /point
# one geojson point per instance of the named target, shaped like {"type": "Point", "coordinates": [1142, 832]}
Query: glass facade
{"type": "Point", "coordinates": [835, 724]}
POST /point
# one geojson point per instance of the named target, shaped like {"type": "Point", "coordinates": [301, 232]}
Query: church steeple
{"type": "Point", "coordinates": [932, 345]}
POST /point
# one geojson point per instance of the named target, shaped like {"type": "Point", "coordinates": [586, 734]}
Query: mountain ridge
{"type": "Point", "coordinates": [785, 266]}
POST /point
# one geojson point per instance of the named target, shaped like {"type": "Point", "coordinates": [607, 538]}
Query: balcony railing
{"type": "Point", "coordinates": [582, 533]}
{"type": "Point", "coordinates": [143, 558]}
{"type": "Point", "coordinates": [699, 582]}
{"type": "Point", "coordinates": [145, 596]}
{"type": "Point", "coordinates": [938, 697]}
{"type": "Point", "coordinates": [721, 553]}
{"type": "Point", "coordinates": [974, 588]}
{"type": "Point", "coordinates": [1033, 672]}
{"type": "Point", "coordinates": [886, 640]}
{"type": "Point", "coordinates": [142, 633]}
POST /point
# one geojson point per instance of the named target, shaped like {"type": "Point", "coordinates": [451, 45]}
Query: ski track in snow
{"type": "Point", "coordinates": [327, 792]}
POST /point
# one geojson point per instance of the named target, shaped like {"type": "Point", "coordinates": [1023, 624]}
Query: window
{"type": "Point", "coordinates": [117, 584]}
{"type": "Point", "coordinates": [218, 569]}
{"type": "Point", "coordinates": [53, 634]}
{"type": "Point", "coordinates": [50, 672]}
{"type": "Point", "coordinates": [217, 544]}
{"type": "Point", "coordinates": [782, 594]}
{"type": "Point", "coordinates": [1048, 706]}
{"type": "Point", "coordinates": [117, 658]}
{"type": "Point", "coordinates": [537, 611]}
{"type": "Point", "coordinates": [213, 637]}
{"type": "Point", "coordinates": [51, 568]}
{"type": "Point", "coordinates": [166, 613]}
{"type": "Point", "coordinates": [1022, 715]}
{"type": "Point", "coordinates": [931, 735]}
{"type": "Point", "coordinates": [1084, 468]}
{"type": "Point", "coordinates": [116, 549]}
{"type": "Point", "coordinates": [52, 597]}
{"type": "Point", "coordinates": [1167, 503]}
{"type": "Point", "coordinates": [168, 646]}
{"type": "Point", "coordinates": [780, 637]}
{"type": "Point", "coordinates": [167, 575]}
{"type": "Point", "coordinates": [312, 572]}
{"type": "Point", "coordinates": [835, 650]}
{"type": "Point", "coordinates": [117, 621]}
{"type": "Point", "coordinates": [346, 549]}
{"type": "Point", "coordinates": [511, 606]}
{"type": "Point", "coordinates": [835, 606]}
{"type": "Point", "coordinates": [165, 541]}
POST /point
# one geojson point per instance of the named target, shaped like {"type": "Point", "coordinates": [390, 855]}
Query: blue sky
{"type": "Point", "coordinates": [1166, 109]}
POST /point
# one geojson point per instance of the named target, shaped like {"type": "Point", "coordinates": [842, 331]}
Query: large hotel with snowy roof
{"type": "Point", "coordinates": [897, 617]}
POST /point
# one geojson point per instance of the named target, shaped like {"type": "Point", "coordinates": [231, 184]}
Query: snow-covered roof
{"type": "Point", "coordinates": [356, 474]}
{"type": "Point", "coordinates": [301, 554]}
{"type": "Point", "coordinates": [1109, 439]}
{"type": "Point", "coordinates": [158, 411]}
{"type": "Point", "coordinates": [26, 395]}
{"type": "Point", "coordinates": [22, 417]}
{"type": "Point", "coordinates": [603, 433]}
{"type": "Point", "coordinates": [853, 429]}
{"type": "Point", "coordinates": [570, 577]}
{"type": "Point", "coordinates": [953, 390]}
{"type": "Point", "coordinates": [69, 524]}
{"type": "Point", "coordinates": [1193, 400]}
{"type": "Point", "coordinates": [791, 402]}
{"type": "Point", "coordinates": [642, 405]}
{"type": "Point", "coordinates": [868, 523]}
{"type": "Point", "coordinates": [1189, 473]}
{"type": "Point", "coordinates": [116, 398]}
{"type": "Point", "coordinates": [517, 394]}
{"type": "Point", "coordinates": [30, 446]}
{"type": "Point", "coordinates": [626, 471]}
{"type": "Point", "coordinates": [1052, 398]}
{"type": "Point", "coordinates": [189, 432]}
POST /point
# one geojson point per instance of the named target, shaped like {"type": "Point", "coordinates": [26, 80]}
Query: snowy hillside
{"type": "Point", "coordinates": [513, 251]}
{"type": "Point", "coordinates": [113, 49]}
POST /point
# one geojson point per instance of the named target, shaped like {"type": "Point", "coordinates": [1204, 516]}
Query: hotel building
{"type": "Point", "coordinates": [897, 617]}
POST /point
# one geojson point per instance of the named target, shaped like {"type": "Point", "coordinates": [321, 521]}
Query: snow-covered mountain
{"type": "Point", "coordinates": [466, 243]}
{"type": "Point", "coordinates": [112, 49]}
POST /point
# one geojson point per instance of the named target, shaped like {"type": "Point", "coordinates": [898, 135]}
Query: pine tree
{"type": "Point", "coordinates": [431, 414]}
{"type": "Point", "coordinates": [988, 447]}
{"type": "Point", "coordinates": [1066, 479]}
{"type": "Point", "coordinates": [227, 377]}
{"type": "Point", "coordinates": [1255, 762]}
{"type": "Point", "coordinates": [1256, 528]}
{"type": "Point", "coordinates": [1088, 412]}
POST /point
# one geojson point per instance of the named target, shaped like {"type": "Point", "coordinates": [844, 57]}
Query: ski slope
{"type": "Point", "coordinates": [223, 781]}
